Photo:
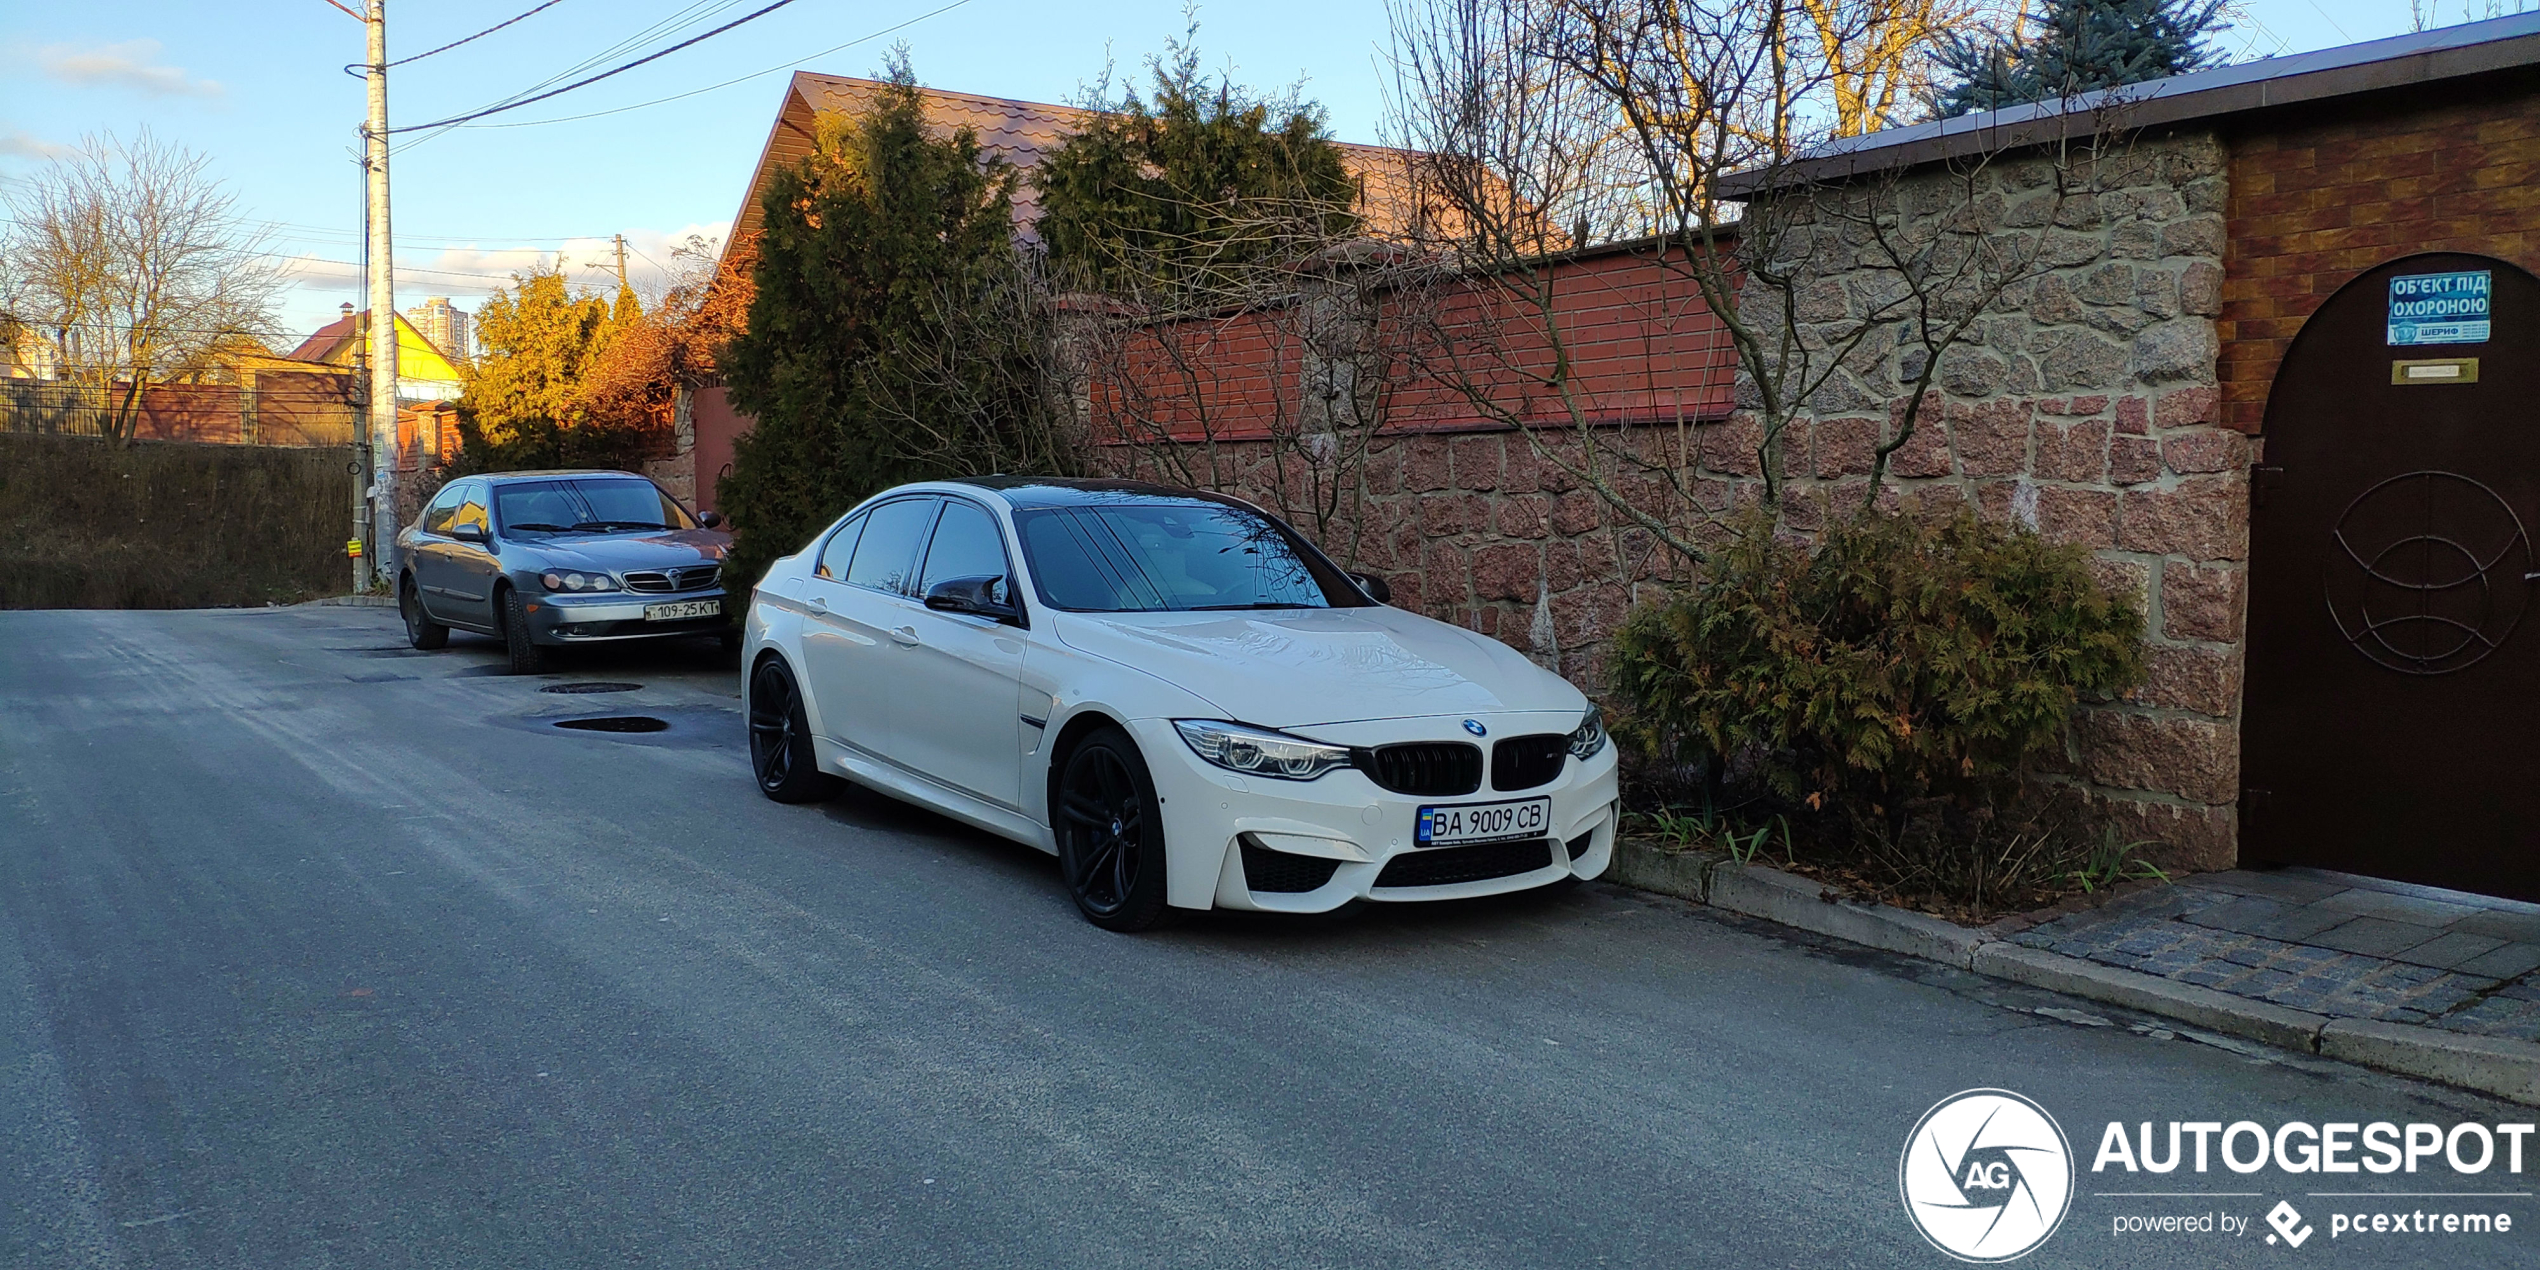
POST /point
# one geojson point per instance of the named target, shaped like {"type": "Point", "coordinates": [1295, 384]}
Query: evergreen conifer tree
{"type": "Point", "coordinates": [1188, 186]}
{"type": "Point", "coordinates": [2077, 46]}
{"type": "Point", "coordinates": [886, 246]}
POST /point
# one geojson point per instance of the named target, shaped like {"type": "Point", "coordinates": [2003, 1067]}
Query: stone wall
{"type": "Point", "coordinates": [2087, 407]}
{"type": "Point", "coordinates": [1473, 527]}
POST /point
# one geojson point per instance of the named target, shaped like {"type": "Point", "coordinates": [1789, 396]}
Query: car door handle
{"type": "Point", "coordinates": [905, 636]}
{"type": "Point", "coordinates": [818, 605]}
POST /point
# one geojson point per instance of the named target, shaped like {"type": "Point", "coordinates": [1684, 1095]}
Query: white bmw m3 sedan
{"type": "Point", "coordinates": [1174, 693]}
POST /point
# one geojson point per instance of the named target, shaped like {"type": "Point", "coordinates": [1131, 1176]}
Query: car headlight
{"type": "Point", "coordinates": [1589, 737]}
{"type": "Point", "coordinates": [567, 580]}
{"type": "Point", "coordinates": [1256, 752]}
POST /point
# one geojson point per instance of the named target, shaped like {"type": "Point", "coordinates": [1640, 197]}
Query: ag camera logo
{"type": "Point", "coordinates": [1987, 1175]}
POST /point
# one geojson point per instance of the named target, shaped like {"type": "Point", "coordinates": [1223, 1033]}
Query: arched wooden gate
{"type": "Point", "coordinates": [2391, 719]}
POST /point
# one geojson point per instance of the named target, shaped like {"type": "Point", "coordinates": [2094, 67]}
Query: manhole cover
{"type": "Point", "coordinates": [573, 689]}
{"type": "Point", "coordinates": [617, 723]}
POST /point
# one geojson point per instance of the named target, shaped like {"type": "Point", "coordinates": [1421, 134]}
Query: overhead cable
{"type": "Point", "coordinates": [479, 35]}
{"type": "Point", "coordinates": [361, 70]}
{"type": "Point", "coordinates": [580, 83]}
{"type": "Point", "coordinates": [658, 101]}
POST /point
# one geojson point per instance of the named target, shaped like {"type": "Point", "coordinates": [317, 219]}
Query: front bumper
{"type": "Point", "coordinates": [1247, 842]}
{"type": "Point", "coordinates": [619, 615]}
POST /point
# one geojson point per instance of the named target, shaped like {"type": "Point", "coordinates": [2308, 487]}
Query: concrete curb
{"type": "Point", "coordinates": [1792, 900]}
{"type": "Point", "coordinates": [2505, 1068]}
{"type": "Point", "coordinates": [351, 602]}
{"type": "Point", "coordinates": [2207, 1008]}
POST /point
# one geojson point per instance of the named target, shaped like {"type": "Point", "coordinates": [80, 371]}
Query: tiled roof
{"type": "Point", "coordinates": [324, 341]}
{"type": "Point", "coordinates": [1020, 132]}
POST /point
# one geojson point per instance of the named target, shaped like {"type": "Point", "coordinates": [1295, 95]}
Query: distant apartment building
{"type": "Point", "coordinates": [445, 324]}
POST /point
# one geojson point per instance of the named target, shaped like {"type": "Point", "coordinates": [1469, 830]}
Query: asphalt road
{"type": "Point", "coordinates": [319, 952]}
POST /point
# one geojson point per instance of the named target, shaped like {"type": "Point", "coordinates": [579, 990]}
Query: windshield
{"type": "Point", "coordinates": [587, 505]}
{"type": "Point", "coordinates": [1173, 557]}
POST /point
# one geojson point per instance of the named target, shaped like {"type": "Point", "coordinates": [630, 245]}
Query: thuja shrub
{"type": "Point", "coordinates": [1895, 660]}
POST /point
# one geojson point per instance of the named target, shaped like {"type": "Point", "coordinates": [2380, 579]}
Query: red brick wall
{"type": "Point", "coordinates": [717, 427]}
{"type": "Point", "coordinates": [1453, 506]}
{"type": "Point", "coordinates": [1642, 347]}
{"type": "Point", "coordinates": [2320, 197]}
{"type": "Point", "coordinates": [189, 412]}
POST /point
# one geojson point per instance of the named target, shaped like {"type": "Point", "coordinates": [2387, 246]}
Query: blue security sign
{"type": "Point", "coordinates": [2440, 308]}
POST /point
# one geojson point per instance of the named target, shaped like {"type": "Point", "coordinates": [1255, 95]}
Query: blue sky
{"type": "Point", "coordinates": [257, 86]}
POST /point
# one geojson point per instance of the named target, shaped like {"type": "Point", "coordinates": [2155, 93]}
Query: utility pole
{"type": "Point", "coordinates": [621, 264]}
{"type": "Point", "coordinates": [384, 459]}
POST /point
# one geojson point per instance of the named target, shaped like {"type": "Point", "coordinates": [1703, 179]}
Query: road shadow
{"type": "Point", "coordinates": [688, 659]}
{"type": "Point", "coordinates": [1360, 923]}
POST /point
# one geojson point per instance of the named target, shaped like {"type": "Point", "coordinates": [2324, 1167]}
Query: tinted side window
{"type": "Point", "coordinates": [436, 518]}
{"type": "Point", "coordinates": [886, 555]}
{"type": "Point", "coordinates": [841, 548]}
{"type": "Point", "coordinates": [472, 510]}
{"type": "Point", "coordinates": [966, 545]}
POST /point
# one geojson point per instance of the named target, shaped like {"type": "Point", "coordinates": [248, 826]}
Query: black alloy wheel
{"type": "Point", "coordinates": [421, 631]}
{"type": "Point", "coordinates": [780, 739]}
{"type": "Point", "coordinates": [527, 658]}
{"type": "Point", "coordinates": [1111, 834]}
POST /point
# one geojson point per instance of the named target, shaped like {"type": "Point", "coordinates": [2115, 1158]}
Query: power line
{"type": "Point", "coordinates": [456, 120]}
{"type": "Point", "coordinates": [683, 19]}
{"type": "Point", "coordinates": [479, 35]}
{"type": "Point", "coordinates": [861, 39]}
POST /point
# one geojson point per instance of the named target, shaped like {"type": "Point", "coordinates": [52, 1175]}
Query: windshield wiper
{"type": "Point", "coordinates": [535, 524]}
{"type": "Point", "coordinates": [621, 524]}
{"type": "Point", "coordinates": [1221, 608]}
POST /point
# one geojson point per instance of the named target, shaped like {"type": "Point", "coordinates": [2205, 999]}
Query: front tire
{"type": "Point", "coordinates": [527, 657]}
{"type": "Point", "coordinates": [1111, 835]}
{"type": "Point", "coordinates": [781, 754]}
{"type": "Point", "coordinates": [421, 631]}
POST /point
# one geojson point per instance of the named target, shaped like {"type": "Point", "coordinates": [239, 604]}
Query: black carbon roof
{"type": "Point", "coordinates": [1069, 491]}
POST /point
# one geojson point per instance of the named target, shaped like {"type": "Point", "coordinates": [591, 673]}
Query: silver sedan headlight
{"type": "Point", "coordinates": [570, 580]}
{"type": "Point", "coordinates": [1589, 737]}
{"type": "Point", "coordinates": [1259, 752]}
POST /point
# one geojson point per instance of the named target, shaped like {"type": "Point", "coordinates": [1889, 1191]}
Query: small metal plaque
{"type": "Point", "coordinates": [2435, 370]}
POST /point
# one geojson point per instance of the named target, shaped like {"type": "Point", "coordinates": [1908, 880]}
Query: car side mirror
{"type": "Point", "coordinates": [711, 519]}
{"type": "Point", "coordinates": [1374, 586]}
{"type": "Point", "coordinates": [974, 596]}
{"type": "Point", "coordinates": [468, 533]}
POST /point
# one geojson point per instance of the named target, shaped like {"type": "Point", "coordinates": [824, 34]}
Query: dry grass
{"type": "Point", "coordinates": [169, 524]}
{"type": "Point", "coordinates": [1970, 869]}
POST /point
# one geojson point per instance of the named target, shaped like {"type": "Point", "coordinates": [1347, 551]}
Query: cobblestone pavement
{"type": "Point", "coordinates": [2328, 943]}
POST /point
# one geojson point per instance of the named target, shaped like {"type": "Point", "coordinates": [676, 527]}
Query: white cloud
{"type": "Point", "coordinates": [130, 64]}
{"type": "Point", "coordinates": [17, 143]}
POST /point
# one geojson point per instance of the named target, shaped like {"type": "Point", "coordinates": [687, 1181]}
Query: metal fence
{"type": "Point", "coordinates": [288, 410]}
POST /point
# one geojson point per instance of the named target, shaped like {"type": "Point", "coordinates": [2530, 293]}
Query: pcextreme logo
{"type": "Point", "coordinates": [1987, 1175]}
{"type": "Point", "coordinates": [2287, 1221]}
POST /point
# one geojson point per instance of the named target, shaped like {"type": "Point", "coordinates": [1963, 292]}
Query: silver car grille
{"type": "Point", "coordinates": [664, 581]}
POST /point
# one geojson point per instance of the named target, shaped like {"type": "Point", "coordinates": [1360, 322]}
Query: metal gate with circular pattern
{"type": "Point", "coordinates": [2393, 688]}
